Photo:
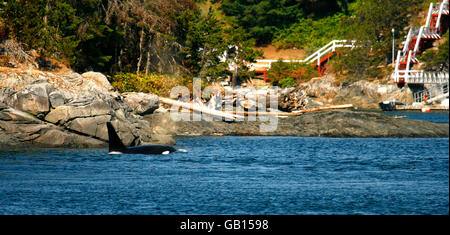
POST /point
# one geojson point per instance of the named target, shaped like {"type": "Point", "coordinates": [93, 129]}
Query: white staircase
{"type": "Point", "coordinates": [432, 30]}
{"type": "Point", "coordinates": [412, 46]}
{"type": "Point", "coordinates": [317, 57]}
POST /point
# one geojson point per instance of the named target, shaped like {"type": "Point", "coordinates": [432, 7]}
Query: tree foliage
{"type": "Point", "coordinates": [112, 36]}
{"type": "Point", "coordinates": [212, 45]}
{"type": "Point", "coordinates": [370, 26]}
{"type": "Point", "coordinates": [311, 34]}
{"type": "Point", "coordinates": [43, 24]}
{"type": "Point", "coordinates": [176, 37]}
{"type": "Point", "coordinates": [262, 19]}
{"type": "Point", "coordinates": [154, 83]}
{"type": "Point", "coordinates": [286, 74]}
{"type": "Point", "coordinates": [437, 60]}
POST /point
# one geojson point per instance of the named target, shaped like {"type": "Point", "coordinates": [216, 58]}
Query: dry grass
{"type": "Point", "coordinates": [15, 59]}
{"type": "Point", "coordinates": [270, 52]}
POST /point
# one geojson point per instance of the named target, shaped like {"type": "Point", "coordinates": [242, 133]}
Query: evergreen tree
{"type": "Point", "coordinates": [45, 25]}
{"type": "Point", "coordinates": [261, 19]}
{"type": "Point", "coordinates": [371, 27]}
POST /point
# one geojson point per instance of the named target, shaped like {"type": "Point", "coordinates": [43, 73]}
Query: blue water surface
{"type": "Point", "coordinates": [434, 116]}
{"type": "Point", "coordinates": [234, 175]}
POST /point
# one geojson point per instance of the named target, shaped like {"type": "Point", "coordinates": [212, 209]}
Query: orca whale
{"type": "Point", "coordinates": [117, 147]}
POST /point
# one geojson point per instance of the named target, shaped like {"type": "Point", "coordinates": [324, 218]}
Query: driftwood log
{"type": "Point", "coordinates": [294, 113]}
{"type": "Point", "coordinates": [200, 108]}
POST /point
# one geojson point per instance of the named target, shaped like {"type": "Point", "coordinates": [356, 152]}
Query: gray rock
{"type": "Point", "coordinates": [33, 99]}
{"type": "Point", "coordinates": [161, 136]}
{"type": "Point", "coordinates": [162, 139]}
{"type": "Point", "coordinates": [96, 81]}
{"type": "Point", "coordinates": [5, 94]}
{"type": "Point", "coordinates": [91, 126]}
{"type": "Point", "coordinates": [335, 123]}
{"type": "Point", "coordinates": [64, 113]}
{"type": "Point", "coordinates": [88, 116]}
{"type": "Point", "coordinates": [141, 103]}
{"type": "Point", "coordinates": [21, 129]}
{"type": "Point", "coordinates": [11, 114]}
{"type": "Point", "coordinates": [69, 110]}
{"type": "Point", "coordinates": [57, 138]}
{"type": "Point", "coordinates": [56, 99]}
{"type": "Point", "coordinates": [125, 132]}
{"type": "Point", "coordinates": [74, 78]}
{"type": "Point", "coordinates": [40, 80]}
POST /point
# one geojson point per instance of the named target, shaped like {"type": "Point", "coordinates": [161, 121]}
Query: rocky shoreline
{"type": "Point", "coordinates": [70, 110]}
{"type": "Point", "coordinates": [331, 123]}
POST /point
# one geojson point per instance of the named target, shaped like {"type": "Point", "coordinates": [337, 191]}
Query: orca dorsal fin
{"type": "Point", "coordinates": [114, 141]}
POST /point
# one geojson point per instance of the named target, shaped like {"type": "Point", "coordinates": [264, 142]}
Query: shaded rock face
{"type": "Point", "coordinates": [70, 110]}
{"type": "Point", "coordinates": [141, 103]}
{"type": "Point", "coordinates": [31, 98]}
{"type": "Point", "coordinates": [21, 129]}
{"type": "Point", "coordinates": [89, 117]}
{"type": "Point", "coordinates": [65, 113]}
{"type": "Point", "coordinates": [56, 99]}
{"type": "Point", "coordinates": [163, 128]}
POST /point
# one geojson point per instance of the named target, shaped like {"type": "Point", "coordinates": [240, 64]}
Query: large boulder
{"type": "Point", "coordinates": [92, 126]}
{"type": "Point", "coordinates": [56, 99]}
{"type": "Point", "coordinates": [65, 113]}
{"type": "Point", "coordinates": [53, 137]}
{"type": "Point", "coordinates": [11, 114]}
{"type": "Point", "coordinates": [71, 109]}
{"type": "Point", "coordinates": [32, 98]}
{"type": "Point", "coordinates": [21, 129]}
{"type": "Point", "coordinates": [88, 116]}
{"type": "Point", "coordinates": [96, 81]}
{"type": "Point", "coordinates": [141, 103]}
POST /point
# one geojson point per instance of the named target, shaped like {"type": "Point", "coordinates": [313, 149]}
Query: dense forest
{"type": "Point", "coordinates": [190, 38]}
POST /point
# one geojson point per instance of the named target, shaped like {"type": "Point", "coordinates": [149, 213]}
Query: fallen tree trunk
{"type": "Point", "coordinates": [344, 106]}
{"type": "Point", "coordinates": [294, 113]}
{"type": "Point", "coordinates": [202, 109]}
{"type": "Point", "coordinates": [234, 115]}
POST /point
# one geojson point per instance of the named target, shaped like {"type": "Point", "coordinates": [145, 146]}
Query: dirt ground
{"type": "Point", "coordinates": [270, 52]}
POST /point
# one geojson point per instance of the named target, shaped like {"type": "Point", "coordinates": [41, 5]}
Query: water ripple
{"type": "Point", "coordinates": [234, 175]}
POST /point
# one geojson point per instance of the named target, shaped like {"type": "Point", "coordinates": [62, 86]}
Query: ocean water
{"type": "Point", "coordinates": [234, 175]}
{"type": "Point", "coordinates": [434, 116]}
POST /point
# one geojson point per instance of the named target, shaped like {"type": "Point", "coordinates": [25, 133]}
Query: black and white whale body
{"type": "Point", "coordinates": [117, 147]}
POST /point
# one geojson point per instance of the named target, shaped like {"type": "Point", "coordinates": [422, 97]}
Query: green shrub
{"type": "Point", "coordinates": [154, 83]}
{"type": "Point", "coordinates": [437, 59]}
{"type": "Point", "coordinates": [310, 33]}
{"type": "Point", "coordinates": [281, 73]}
{"type": "Point", "coordinates": [287, 82]}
